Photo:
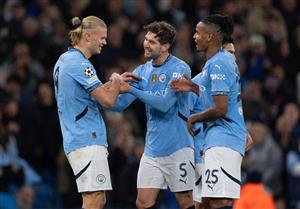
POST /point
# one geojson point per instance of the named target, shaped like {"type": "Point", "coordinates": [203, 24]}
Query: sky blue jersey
{"type": "Point", "coordinates": [198, 105]}
{"type": "Point", "coordinates": [220, 76]}
{"type": "Point", "coordinates": [80, 119]}
{"type": "Point", "coordinates": [166, 110]}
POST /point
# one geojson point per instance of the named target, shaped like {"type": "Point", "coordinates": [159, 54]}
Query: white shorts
{"type": "Point", "coordinates": [197, 192]}
{"type": "Point", "coordinates": [176, 171]}
{"type": "Point", "coordinates": [222, 173]}
{"type": "Point", "coordinates": [90, 167]}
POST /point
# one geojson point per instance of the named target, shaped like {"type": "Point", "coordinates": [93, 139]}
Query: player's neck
{"type": "Point", "coordinates": [211, 50]}
{"type": "Point", "coordinates": [84, 51]}
{"type": "Point", "coordinates": [161, 59]}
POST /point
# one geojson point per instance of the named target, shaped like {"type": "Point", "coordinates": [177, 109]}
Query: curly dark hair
{"type": "Point", "coordinates": [165, 32]}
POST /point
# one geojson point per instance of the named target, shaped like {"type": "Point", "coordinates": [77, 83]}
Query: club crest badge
{"type": "Point", "coordinates": [88, 72]}
{"type": "Point", "coordinates": [153, 78]}
{"type": "Point", "coordinates": [101, 179]}
{"type": "Point", "coordinates": [162, 78]}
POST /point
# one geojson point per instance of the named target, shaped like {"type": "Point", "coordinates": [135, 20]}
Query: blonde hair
{"type": "Point", "coordinates": [89, 22]}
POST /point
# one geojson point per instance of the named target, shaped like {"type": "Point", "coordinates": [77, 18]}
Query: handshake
{"type": "Point", "coordinates": [123, 80]}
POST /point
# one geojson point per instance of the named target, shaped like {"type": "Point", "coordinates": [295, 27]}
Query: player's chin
{"type": "Point", "coordinates": [147, 55]}
{"type": "Point", "coordinates": [99, 51]}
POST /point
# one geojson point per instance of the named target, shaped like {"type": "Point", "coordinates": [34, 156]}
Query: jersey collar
{"type": "Point", "coordinates": [74, 49]}
{"type": "Point", "coordinates": [168, 58]}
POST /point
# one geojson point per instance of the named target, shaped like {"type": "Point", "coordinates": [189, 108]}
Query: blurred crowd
{"type": "Point", "coordinates": [34, 172]}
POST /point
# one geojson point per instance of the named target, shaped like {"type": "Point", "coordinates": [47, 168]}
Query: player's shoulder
{"type": "Point", "coordinates": [140, 67]}
{"type": "Point", "coordinates": [74, 56]}
{"type": "Point", "coordinates": [177, 64]}
{"type": "Point", "coordinates": [178, 61]}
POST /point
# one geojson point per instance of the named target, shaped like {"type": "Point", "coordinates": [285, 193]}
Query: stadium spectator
{"type": "Point", "coordinates": [254, 189]}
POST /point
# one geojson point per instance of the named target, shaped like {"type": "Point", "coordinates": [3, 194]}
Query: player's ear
{"type": "Point", "coordinates": [166, 47]}
{"type": "Point", "coordinates": [209, 37]}
{"type": "Point", "coordinates": [87, 36]}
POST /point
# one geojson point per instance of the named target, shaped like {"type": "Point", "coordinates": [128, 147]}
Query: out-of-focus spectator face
{"type": "Point", "coordinates": [142, 11]}
{"type": "Point", "coordinates": [11, 109]}
{"type": "Point", "coordinates": [278, 72]}
{"type": "Point", "coordinates": [291, 111]}
{"type": "Point", "coordinates": [230, 8]}
{"type": "Point", "coordinates": [274, 80]}
{"type": "Point", "coordinates": [257, 44]}
{"type": "Point", "coordinates": [45, 94]}
{"type": "Point", "coordinates": [114, 7]}
{"type": "Point", "coordinates": [12, 87]}
{"type": "Point", "coordinates": [30, 27]}
{"type": "Point", "coordinates": [115, 36]}
{"type": "Point", "coordinates": [59, 31]}
{"type": "Point", "coordinates": [240, 38]}
{"type": "Point", "coordinates": [22, 51]}
{"type": "Point", "coordinates": [258, 131]}
{"type": "Point", "coordinates": [252, 91]}
{"type": "Point", "coordinates": [284, 125]}
{"type": "Point", "coordinates": [15, 9]}
{"type": "Point", "coordinates": [183, 34]}
{"type": "Point", "coordinates": [52, 12]}
{"type": "Point", "coordinates": [76, 7]}
{"type": "Point", "coordinates": [25, 197]}
{"type": "Point", "coordinates": [289, 5]}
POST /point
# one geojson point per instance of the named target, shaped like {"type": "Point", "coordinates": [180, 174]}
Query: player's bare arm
{"type": "Point", "coordinates": [184, 84]}
{"type": "Point", "coordinates": [107, 94]}
{"type": "Point", "coordinates": [218, 110]}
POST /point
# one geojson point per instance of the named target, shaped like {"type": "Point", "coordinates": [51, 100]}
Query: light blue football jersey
{"type": "Point", "coordinates": [220, 76]}
{"type": "Point", "coordinates": [80, 119]}
{"type": "Point", "coordinates": [198, 104]}
{"type": "Point", "coordinates": [166, 110]}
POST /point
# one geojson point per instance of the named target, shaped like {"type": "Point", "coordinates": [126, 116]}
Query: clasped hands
{"type": "Point", "coordinates": [124, 80]}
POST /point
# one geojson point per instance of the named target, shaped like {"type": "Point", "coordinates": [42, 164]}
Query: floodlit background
{"type": "Point", "coordinates": [34, 172]}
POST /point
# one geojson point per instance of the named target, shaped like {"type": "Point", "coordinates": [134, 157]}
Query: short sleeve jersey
{"type": "Point", "coordinates": [220, 76]}
{"type": "Point", "coordinates": [166, 132]}
{"type": "Point", "coordinates": [80, 119]}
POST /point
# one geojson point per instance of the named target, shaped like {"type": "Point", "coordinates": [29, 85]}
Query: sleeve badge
{"type": "Point", "coordinates": [88, 72]}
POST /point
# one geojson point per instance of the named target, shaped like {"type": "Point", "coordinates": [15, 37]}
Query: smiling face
{"type": "Point", "coordinates": [152, 47]}
{"type": "Point", "coordinates": [97, 39]}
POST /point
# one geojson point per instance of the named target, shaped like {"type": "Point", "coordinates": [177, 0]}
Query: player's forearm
{"type": "Point", "coordinates": [112, 93]}
{"type": "Point", "coordinates": [123, 101]}
{"type": "Point", "coordinates": [208, 115]}
{"type": "Point", "coordinates": [162, 103]}
{"type": "Point", "coordinates": [195, 88]}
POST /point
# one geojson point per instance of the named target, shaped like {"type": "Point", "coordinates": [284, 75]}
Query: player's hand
{"type": "Point", "coordinates": [249, 142]}
{"type": "Point", "coordinates": [182, 84]}
{"type": "Point", "coordinates": [107, 84]}
{"type": "Point", "coordinates": [124, 87]}
{"type": "Point", "coordinates": [130, 77]}
{"type": "Point", "coordinates": [190, 124]}
{"type": "Point", "coordinates": [115, 76]}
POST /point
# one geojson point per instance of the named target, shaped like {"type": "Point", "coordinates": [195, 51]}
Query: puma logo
{"type": "Point", "coordinates": [182, 180]}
